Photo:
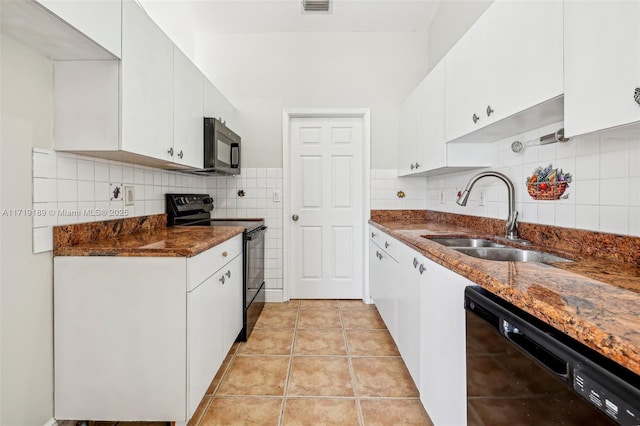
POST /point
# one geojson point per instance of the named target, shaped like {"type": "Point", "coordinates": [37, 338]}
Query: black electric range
{"type": "Point", "coordinates": [194, 210]}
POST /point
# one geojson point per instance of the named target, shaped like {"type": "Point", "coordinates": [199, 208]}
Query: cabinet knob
{"type": "Point", "coordinates": [228, 274]}
{"type": "Point", "coordinates": [415, 262]}
{"type": "Point", "coordinates": [378, 255]}
{"type": "Point", "coordinates": [636, 95]}
{"type": "Point", "coordinates": [222, 279]}
{"type": "Point", "coordinates": [386, 244]}
{"type": "Point", "coordinates": [373, 235]}
{"type": "Point", "coordinates": [180, 155]}
{"type": "Point", "coordinates": [170, 151]}
{"type": "Point", "coordinates": [225, 254]}
{"type": "Point", "coordinates": [489, 110]}
{"type": "Point", "coordinates": [475, 118]}
{"type": "Point", "coordinates": [422, 269]}
{"type": "Point", "coordinates": [417, 166]}
{"type": "Point", "coordinates": [412, 166]}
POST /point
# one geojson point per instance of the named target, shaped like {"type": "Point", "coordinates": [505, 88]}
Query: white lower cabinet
{"type": "Point", "coordinates": [442, 345]}
{"type": "Point", "coordinates": [422, 304]}
{"type": "Point", "coordinates": [135, 339]}
{"type": "Point", "coordinates": [384, 279]}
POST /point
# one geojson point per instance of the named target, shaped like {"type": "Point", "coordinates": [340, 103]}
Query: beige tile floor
{"type": "Point", "coordinates": [311, 362]}
{"type": "Point", "coordinates": [314, 362]}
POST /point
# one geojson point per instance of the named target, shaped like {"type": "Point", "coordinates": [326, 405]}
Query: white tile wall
{"type": "Point", "coordinates": [385, 185]}
{"type": "Point", "coordinates": [69, 188]}
{"type": "Point", "coordinates": [604, 195]}
{"type": "Point", "coordinates": [259, 185]}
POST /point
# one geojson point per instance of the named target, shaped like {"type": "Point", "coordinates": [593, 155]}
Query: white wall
{"type": "Point", "coordinates": [452, 19]}
{"type": "Point", "coordinates": [26, 280]}
{"type": "Point", "coordinates": [263, 73]}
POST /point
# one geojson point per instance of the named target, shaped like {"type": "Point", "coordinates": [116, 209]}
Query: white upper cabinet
{"type": "Point", "coordinates": [423, 149]}
{"type": "Point", "coordinates": [146, 108]}
{"type": "Point", "coordinates": [100, 20]}
{"type": "Point", "coordinates": [601, 65]}
{"type": "Point", "coordinates": [505, 75]}
{"type": "Point", "coordinates": [217, 106]}
{"type": "Point", "coordinates": [146, 85]}
{"type": "Point", "coordinates": [188, 148]}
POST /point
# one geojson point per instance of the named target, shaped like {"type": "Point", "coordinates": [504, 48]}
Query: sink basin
{"type": "Point", "coordinates": [507, 254]}
{"type": "Point", "coordinates": [465, 242]}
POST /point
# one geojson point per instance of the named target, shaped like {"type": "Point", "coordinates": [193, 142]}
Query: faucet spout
{"type": "Point", "coordinates": [511, 231]}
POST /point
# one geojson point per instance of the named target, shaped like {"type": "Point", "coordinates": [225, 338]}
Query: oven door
{"type": "Point", "coordinates": [254, 297]}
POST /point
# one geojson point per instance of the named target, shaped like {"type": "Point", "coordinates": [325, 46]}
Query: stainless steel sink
{"type": "Point", "coordinates": [465, 242]}
{"type": "Point", "coordinates": [507, 254]}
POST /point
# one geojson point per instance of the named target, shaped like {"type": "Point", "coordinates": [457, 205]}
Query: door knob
{"type": "Point", "coordinates": [295, 217]}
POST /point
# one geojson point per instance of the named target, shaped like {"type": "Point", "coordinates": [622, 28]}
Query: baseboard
{"type": "Point", "coordinates": [51, 422]}
{"type": "Point", "coordinates": [274, 295]}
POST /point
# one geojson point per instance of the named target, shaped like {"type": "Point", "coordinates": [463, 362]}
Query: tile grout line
{"type": "Point", "coordinates": [290, 367]}
{"type": "Point", "coordinates": [351, 370]}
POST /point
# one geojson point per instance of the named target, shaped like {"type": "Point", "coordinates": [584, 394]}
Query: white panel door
{"type": "Point", "coordinates": [326, 183]}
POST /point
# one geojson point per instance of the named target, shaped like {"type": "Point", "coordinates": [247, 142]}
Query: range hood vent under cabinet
{"type": "Point", "coordinates": [315, 6]}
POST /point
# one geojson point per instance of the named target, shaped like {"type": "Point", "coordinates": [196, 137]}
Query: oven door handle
{"type": "Point", "coordinates": [256, 233]}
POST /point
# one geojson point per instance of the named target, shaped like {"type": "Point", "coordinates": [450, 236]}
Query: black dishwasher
{"type": "Point", "coordinates": [521, 371]}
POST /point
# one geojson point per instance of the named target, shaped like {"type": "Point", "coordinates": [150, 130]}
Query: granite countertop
{"type": "Point", "coordinates": [145, 236]}
{"type": "Point", "coordinates": [594, 300]}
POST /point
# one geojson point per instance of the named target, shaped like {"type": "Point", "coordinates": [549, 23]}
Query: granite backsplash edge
{"type": "Point", "coordinates": [612, 247]}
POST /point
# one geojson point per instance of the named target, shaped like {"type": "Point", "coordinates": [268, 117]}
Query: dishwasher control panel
{"type": "Point", "coordinates": [605, 399]}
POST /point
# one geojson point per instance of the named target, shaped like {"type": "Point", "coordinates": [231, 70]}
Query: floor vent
{"type": "Point", "coordinates": [316, 6]}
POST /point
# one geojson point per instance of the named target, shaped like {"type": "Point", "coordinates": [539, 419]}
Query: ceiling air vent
{"type": "Point", "coordinates": [316, 6]}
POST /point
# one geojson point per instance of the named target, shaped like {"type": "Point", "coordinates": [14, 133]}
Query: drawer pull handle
{"type": "Point", "coordinates": [415, 262]}
{"type": "Point", "coordinates": [386, 244]}
{"type": "Point", "coordinates": [228, 274]}
{"type": "Point", "coordinates": [225, 254]}
{"type": "Point", "coordinates": [422, 269]}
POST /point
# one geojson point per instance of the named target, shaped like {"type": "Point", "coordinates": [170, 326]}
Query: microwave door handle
{"type": "Point", "coordinates": [235, 155]}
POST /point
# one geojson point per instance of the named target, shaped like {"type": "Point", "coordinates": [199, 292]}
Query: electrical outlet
{"type": "Point", "coordinates": [483, 196]}
{"type": "Point", "coordinates": [441, 197]}
{"type": "Point", "coordinates": [129, 195]}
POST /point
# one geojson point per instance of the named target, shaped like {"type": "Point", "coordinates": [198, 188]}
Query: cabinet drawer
{"type": "Point", "coordinates": [384, 241]}
{"type": "Point", "coordinates": [202, 266]}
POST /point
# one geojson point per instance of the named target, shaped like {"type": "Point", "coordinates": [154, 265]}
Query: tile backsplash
{"type": "Point", "coordinates": [604, 195]}
{"type": "Point", "coordinates": [69, 188]}
{"type": "Point", "coordinates": [262, 189]}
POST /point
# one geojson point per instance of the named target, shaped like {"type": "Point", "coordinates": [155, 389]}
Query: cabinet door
{"type": "Point", "coordinates": [408, 145]}
{"type": "Point", "coordinates": [409, 324]}
{"type": "Point", "coordinates": [204, 339]}
{"type": "Point", "coordinates": [216, 105]}
{"type": "Point", "coordinates": [387, 303]}
{"type": "Point", "coordinates": [431, 119]}
{"type": "Point", "coordinates": [232, 306]}
{"type": "Point", "coordinates": [443, 346]}
{"type": "Point", "coordinates": [374, 272]}
{"type": "Point", "coordinates": [524, 61]}
{"type": "Point", "coordinates": [601, 64]}
{"type": "Point", "coordinates": [465, 64]}
{"type": "Point", "coordinates": [187, 111]}
{"type": "Point", "coordinates": [97, 19]}
{"type": "Point", "coordinates": [146, 85]}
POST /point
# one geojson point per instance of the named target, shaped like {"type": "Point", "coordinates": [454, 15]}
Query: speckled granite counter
{"type": "Point", "coordinates": [595, 300]}
{"type": "Point", "coordinates": [138, 236]}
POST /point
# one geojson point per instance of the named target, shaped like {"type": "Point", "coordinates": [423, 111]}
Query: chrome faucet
{"type": "Point", "coordinates": [512, 221]}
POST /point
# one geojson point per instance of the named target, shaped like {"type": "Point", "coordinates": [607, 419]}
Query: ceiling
{"type": "Point", "coordinates": [270, 16]}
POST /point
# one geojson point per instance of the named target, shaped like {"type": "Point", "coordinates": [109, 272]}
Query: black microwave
{"type": "Point", "coordinates": [221, 148]}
